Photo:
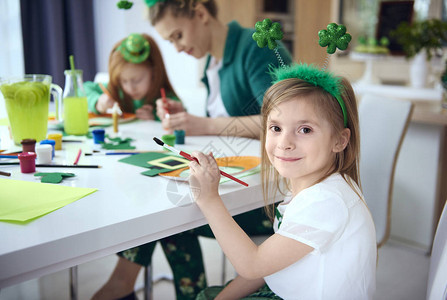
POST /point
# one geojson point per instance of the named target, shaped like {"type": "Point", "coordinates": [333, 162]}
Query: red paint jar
{"type": "Point", "coordinates": [28, 145]}
{"type": "Point", "coordinates": [27, 162]}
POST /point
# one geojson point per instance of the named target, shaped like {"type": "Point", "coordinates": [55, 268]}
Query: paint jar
{"type": "Point", "coordinates": [27, 162]}
{"type": "Point", "coordinates": [98, 136]}
{"type": "Point", "coordinates": [44, 153]}
{"type": "Point", "coordinates": [179, 137]}
{"type": "Point", "coordinates": [168, 139]}
{"type": "Point", "coordinates": [57, 138]}
{"type": "Point", "coordinates": [28, 145]}
{"type": "Point", "coordinates": [50, 142]}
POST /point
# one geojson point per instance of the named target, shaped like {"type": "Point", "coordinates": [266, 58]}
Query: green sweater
{"type": "Point", "coordinates": [244, 76]}
{"type": "Point", "coordinates": [93, 91]}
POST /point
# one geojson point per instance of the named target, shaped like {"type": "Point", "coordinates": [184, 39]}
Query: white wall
{"type": "Point", "coordinates": [113, 24]}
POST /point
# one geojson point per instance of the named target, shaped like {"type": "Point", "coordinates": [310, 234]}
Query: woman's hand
{"type": "Point", "coordinates": [204, 178]}
{"type": "Point", "coordinates": [145, 112]}
{"type": "Point", "coordinates": [192, 125]}
{"type": "Point", "coordinates": [104, 103]}
{"type": "Point", "coordinates": [171, 105]}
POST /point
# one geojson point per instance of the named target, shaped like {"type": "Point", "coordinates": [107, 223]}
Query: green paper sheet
{"type": "Point", "coordinates": [53, 177]}
{"type": "Point", "coordinates": [141, 160]}
{"type": "Point", "coordinates": [24, 200]}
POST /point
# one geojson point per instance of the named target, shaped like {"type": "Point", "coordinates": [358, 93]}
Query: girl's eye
{"type": "Point", "coordinates": [305, 130]}
{"type": "Point", "coordinates": [275, 128]}
{"type": "Point", "coordinates": [178, 36]}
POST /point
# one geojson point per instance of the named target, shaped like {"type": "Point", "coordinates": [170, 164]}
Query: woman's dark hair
{"type": "Point", "coordinates": [180, 8]}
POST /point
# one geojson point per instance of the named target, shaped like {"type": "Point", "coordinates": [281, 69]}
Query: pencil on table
{"type": "Point", "coordinates": [5, 173]}
{"type": "Point", "coordinates": [77, 157]}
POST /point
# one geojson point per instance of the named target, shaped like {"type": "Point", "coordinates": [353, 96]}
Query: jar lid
{"type": "Point", "coordinates": [27, 155]}
{"type": "Point", "coordinates": [54, 135]}
{"type": "Point", "coordinates": [52, 142]}
{"type": "Point", "coordinates": [28, 141]}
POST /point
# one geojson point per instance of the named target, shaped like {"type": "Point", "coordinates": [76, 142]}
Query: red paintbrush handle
{"type": "Point", "coordinates": [186, 155]}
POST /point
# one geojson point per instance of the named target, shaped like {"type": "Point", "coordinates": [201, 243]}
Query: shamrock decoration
{"type": "Point", "coordinates": [334, 37]}
{"type": "Point", "coordinates": [123, 4]}
{"type": "Point", "coordinates": [55, 177]}
{"type": "Point", "coordinates": [267, 33]}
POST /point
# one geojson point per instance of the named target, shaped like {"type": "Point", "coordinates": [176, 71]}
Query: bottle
{"type": "Point", "coordinates": [75, 104]}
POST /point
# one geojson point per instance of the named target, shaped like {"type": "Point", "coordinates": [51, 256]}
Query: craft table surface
{"type": "Point", "coordinates": [128, 209]}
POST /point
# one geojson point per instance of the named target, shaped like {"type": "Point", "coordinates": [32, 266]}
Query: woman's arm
{"type": "Point", "coordinates": [248, 126]}
{"type": "Point", "coordinates": [250, 261]}
{"type": "Point", "coordinates": [239, 288]}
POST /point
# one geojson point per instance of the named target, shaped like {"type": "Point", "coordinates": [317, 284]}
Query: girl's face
{"type": "Point", "coordinates": [191, 36]}
{"type": "Point", "coordinates": [299, 143]}
{"type": "Point", "coordinates": [135, 80]}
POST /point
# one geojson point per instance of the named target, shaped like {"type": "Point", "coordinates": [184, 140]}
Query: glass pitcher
{"type": "Point", "coordinates": [27, 101]}
{"type": "Point", "coordinates": [75, 104]}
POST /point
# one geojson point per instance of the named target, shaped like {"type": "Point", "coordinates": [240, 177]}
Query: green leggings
{"type": "Point", "coordinates": [184, 254]}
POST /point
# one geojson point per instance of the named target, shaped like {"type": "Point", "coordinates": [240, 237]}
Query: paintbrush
{"type": "Point", "coordinates": [189, 157]}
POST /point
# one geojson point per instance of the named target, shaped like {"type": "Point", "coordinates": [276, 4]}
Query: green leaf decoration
{"type": "Point", "coordinates": [267, 33]}
{"type": "Point", "coordinates": [124, 4]}
{"type": "Point", "coordinates": [334, 37]}
{"type": "Point", "coordinates": [55, 177]}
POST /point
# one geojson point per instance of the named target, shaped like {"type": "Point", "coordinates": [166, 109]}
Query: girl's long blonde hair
{"type": "Point", "coordinates": [346, 162]}
{"type": "Point", "coordinates": [154, 63]}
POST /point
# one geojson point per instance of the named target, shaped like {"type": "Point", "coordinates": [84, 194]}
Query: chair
{"type": "Point", "coordinates": [383, 124]}
{"type": "Point", "coordinates": [437, 274]}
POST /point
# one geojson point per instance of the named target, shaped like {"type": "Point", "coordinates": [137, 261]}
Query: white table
{"type": "Point", "coordinates": [128, 209]}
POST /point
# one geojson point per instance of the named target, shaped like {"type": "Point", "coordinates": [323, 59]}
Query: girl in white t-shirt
{"type": "Point", "coordinates": [324, 246]}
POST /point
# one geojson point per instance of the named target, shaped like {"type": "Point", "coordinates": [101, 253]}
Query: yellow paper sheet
{"type": "Point", "coordinates": [23, 200]}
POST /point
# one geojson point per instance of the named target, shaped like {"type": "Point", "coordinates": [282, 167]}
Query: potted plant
{"type": "Point", "coordinates": [421, 40]}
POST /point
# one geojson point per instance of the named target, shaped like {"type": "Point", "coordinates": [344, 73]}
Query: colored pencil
{"type": "Point", "coordinates": [9, 156]}
{"type": "Point", "coordinates": [78, 157]}
{"type": "Point", "coordinates": [52, 166]}
{"type": "Point", "coordinates": [189, 157]}
{"type": "Point", "coordinates": [5, 173]}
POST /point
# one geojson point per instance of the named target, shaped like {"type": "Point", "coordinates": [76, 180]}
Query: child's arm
{"type": "Point", "coordinates": [249, 260]}
{"type": "Point", "coordinates": [239, 288]}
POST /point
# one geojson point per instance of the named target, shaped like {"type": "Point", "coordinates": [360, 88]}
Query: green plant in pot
{"type": "Point", "coordinates": [427, 35]}
{"type": "Point", "coordinates": [421, 40]}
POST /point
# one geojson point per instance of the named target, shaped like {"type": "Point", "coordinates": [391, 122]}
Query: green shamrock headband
{"type": "Point", "coordinates": [313, 75]}
{"type": "Point", "coordinates": [135, 48]}
{"type": "Point", "coordinates": [334, 37]}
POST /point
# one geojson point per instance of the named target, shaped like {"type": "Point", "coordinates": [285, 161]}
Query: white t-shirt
{"type": "Point", "coordinates": [331, 218]}
{"type": "Point", "coordinates": [215, 106]}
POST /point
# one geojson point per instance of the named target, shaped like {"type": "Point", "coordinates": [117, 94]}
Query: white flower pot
{"type": "Point", "coordinates": [419, 70]}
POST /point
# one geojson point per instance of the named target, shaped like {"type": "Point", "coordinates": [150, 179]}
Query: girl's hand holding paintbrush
{"type": "Point", "coordinates": [104, 103]}
{"type": "Point", "coordinates": [204, 178]}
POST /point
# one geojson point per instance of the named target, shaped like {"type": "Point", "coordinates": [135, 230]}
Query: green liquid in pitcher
{"type": "Point", "coordinates": [27, 106]}
{"type": "Point", "coordinates": [75, 115]}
